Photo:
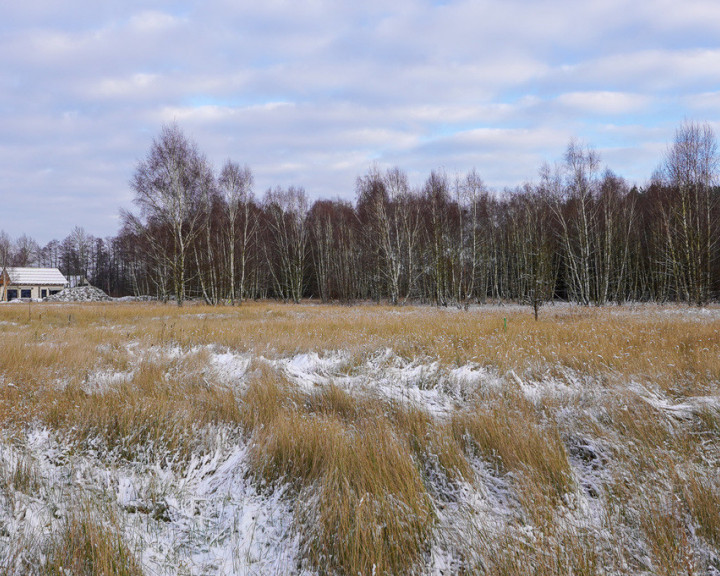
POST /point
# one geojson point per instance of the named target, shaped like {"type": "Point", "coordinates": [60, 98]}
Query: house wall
{"type": "Point", "coordinates": [35, 291]}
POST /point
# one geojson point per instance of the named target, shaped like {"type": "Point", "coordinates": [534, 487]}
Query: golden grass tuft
{"type": "Point", "coordinates": [701, 493]}
{"type": "Point", "coordinates": [430, 440]}
{"type": "Point", "coordinates": [332, 400]}
{"type": "Point", "coordinates": [149, 413]}
{"type": "Point", "coordinates": [267, 394]}
{"type": "Point", "coordinates": [667, 539]}
{"type": "Point", "coordinates": [87, 546]}
{"type": "Point", "coordinates": [509, 433]}
{"type": "Point", "coordinates": [20, 475]}
{"type": "Point", "coordinates": [551, 553]}
{"type": "Point", "coordinates": [366, 505]}
{"type": "Point", "coordinates": [362, 505]}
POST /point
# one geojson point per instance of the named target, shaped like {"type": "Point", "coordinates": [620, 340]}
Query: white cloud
{"type": "Point", "coordinates": [707, 102]}
{"type": "Point", "coordinates": [124, 87]}
{"type": "Point", "coordinates": [311, 93]}
{"type": "Point", "coordinates": [152, 21]}
{"type": "Point", "coordinates": [649, 70]}
{"type": "Point", "coordinates": [604, 102]}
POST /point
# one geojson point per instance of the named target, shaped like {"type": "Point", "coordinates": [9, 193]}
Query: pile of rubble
{"type": "Point", "coordinates": [136, 299]}
{"type": "Point", "coordinates": [79, 294]}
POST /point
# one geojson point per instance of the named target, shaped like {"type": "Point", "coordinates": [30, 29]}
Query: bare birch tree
{"type": "Point", "coordinates": [236, 188]}
{"type": "Point", "coordinates": [690, 169]}
{"type": "Point", "coordinates": [168, 187]}
{"type": "Point", "coordinates": [287, 215]}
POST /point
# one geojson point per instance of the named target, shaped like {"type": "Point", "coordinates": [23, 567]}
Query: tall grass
{"type": "Point", "coordinates": [369, 475]}
{"type": "Point", "coordinates": [677, 351]}
{"type": "Point", "coordinates": [508, 432]}
{"type": "Point", "coordinates": [88, 543]}
{"type": "Point", "coordinates": [149, 411]}
{"type": "Point", "coordinates": [701, 493]}
{"type": "Point", "coordinates": [362, 504]}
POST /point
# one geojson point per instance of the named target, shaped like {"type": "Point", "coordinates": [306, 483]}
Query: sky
{"type": "Point", "coordinates": [315, 93]}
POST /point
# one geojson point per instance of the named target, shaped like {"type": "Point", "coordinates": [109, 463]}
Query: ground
{"type": "Point", "coordinates": [306, 439]}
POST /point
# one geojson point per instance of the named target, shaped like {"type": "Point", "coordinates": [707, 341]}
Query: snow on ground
{"type": "Point", "coordinates": [216, 521]}
{"type": "Point", "coordinates": [102, 380]}
{"type": "Point", "coordinates": [229, 368]}
{"type": "Point", "coordinates": [690, 407]}
{"type": "Point", "coordinates": [423, 383]}
{"type": "Point", "coordinates": [210, 517]}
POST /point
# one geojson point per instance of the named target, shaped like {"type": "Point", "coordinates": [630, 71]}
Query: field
{"type": "Point", "coordinates": [309, 439]}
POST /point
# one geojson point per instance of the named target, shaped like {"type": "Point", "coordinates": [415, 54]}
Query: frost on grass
{"type": "Point", "coordinates": [213, 519]}
{"type": "Point", "coordinates": [634, 489]}
{"type": "Point", "coordinates": [422, 383]}
{"type": "Point", "coordinates": [207, 518]}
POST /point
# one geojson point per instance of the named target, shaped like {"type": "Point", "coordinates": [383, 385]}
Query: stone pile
{"type": "Point", "coordinates": [136, 299]}
{"type": "Point", "coordinates": [79, 294]}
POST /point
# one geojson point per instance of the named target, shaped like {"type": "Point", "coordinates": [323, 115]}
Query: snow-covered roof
{"type": "Point", "coordinates": [36, 276]}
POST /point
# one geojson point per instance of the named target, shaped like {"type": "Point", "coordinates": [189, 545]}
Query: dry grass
{"type": "Point", "coordinates": [160, 403]}
{"type": "Point", "coordinates": [20, 475]}
{"type": "Point", "coordinates": [667, 540]}
{"type": "Point", "coordinates": [87, 545]}
{"type": "Point", "coordinates": [680, 351]}
{"type": "Point", "coordinates": [369, 473]}
{"type": "Point", "coordinates": [428, 439]}
{"type": "Point", "coordinates": [508, 432]}
{"type": "Point", "coordinates": [701, 493]}
{"type": "Point", "coordinates": [568, 553]}
{"type": "Point", "coordinates": [363, 506]}
{"type": "Point", "coordinates": [152, 410]}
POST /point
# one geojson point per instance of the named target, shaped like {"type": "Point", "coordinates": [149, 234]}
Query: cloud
{"type": "Point", "coordinates": [153, 21]}
{"type": "Point", "coordinates": [123, 87]}
{"type": "Point", "coordinates": [604, 102]}
{"type": "Point", "coordinates": [312, 93]}
{"type": "Point", "coordinates": [649, 70]}
{"type": "Point", "coordinates": [705, 102]}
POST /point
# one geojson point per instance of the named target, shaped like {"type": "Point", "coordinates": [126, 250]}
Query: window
{"type": "Point", "coordinates": [25, 293]}
{"type": "Point", "coordinates": [12, 295]}
{"type": "Point", "coordinates": [43, 293]}
{"type": "Point", "coordinates": [53, 292]}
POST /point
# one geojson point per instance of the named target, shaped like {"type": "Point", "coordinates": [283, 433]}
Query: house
{"type": "Point", "coordinates": [30, 283]}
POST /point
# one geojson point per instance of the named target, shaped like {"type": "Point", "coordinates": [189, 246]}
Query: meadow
{"type": "Point", "coordinates": [140, 438]}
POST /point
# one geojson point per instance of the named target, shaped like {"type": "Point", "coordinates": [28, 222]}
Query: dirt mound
{"type": "Point", "coordinates": [79, 294]}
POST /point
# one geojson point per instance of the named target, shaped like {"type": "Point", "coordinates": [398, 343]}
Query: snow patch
{"type": "Point", "coordinates": [230, 368]}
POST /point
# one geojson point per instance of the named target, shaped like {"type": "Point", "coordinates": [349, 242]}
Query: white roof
{"type": "Point", "coordinates": [35, 276]}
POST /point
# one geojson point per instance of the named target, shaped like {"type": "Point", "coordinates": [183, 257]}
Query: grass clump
{"type": "Point", "coordinates": [701, 494]}
{"type": "Point", "coordinates": [362, 505]}
{"type": "Point", "coordinates": [426, 438]}
{"type": "Point", "coordinates": [553, 553]}
{"type": "Point", "coordinates": [433, 443]}
{"type": "Point", "coordinates": [21, 474]}
{"type": "Point", "coordinates": [508, 432]}
{"type": "Point", "coordinates": [364, 508]}
{"type": "Point", "coordinates": [268, 393]}
{"type": "Point", "coordinates": [667, 539]}
{"type": "Point", "coordinates": [149, 414]}
{"type": "Point", "coordinates": [84, 546]}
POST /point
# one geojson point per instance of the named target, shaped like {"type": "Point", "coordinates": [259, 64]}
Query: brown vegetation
{"type": "Point", "coordinates": [371, 476]}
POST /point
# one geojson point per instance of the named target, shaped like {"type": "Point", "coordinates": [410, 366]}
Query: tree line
{"type": "Point", "coordinates": [580, 233]}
